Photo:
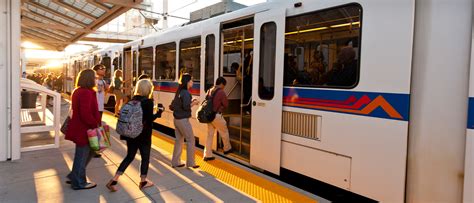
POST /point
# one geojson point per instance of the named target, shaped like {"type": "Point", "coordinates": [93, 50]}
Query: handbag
{"type": "Point", "coordinates": [99, 138]}
{"type": "Point", "coordinates": [65, 124]}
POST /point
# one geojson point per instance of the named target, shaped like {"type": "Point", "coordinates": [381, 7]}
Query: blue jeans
{"type": "Point", "coordinates": [82, 157]}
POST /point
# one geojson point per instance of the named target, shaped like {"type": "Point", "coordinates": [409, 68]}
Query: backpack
{"type": "Point", "coordinates": [130, 122]}
{"type": "Point", "coordinates": [205, 112]}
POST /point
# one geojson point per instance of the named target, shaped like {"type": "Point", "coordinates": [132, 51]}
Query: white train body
{"type": "Point", "coordinates": [368, 137]}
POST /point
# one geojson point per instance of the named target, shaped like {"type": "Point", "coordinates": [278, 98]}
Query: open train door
{"type": "Point", "coordinates": [267, 86]}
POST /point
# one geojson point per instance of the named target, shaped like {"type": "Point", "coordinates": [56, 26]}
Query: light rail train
{"type": "Point", "coordinates": [338, 91]}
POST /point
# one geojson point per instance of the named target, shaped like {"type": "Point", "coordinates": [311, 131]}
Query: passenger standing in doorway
{"type": "Point", "coordinates": [143, 93]}
{"type": "Point", "coordinates": [118, 90]}
{"type": "Point", "coordinates": [102, 87]}
{"type": "Point", "coordinates": [219, 104]}
{"type": "Point", "coordinates": [85, 116]}
{"type": "Point", "coordinates": [183, 129]}
{"type": "Point", "coordinates": [247, 86]}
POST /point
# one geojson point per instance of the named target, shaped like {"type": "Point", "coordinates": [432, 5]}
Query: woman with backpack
{"type": "Point", "coordinates": [143, 94]}
{"type": "Point", "coordinates": [181, 105]}
{"type": "Point", "coordinates": [85, 116]}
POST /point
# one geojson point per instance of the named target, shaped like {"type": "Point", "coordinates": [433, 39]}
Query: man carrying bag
{"type": "Point", "coordinates": [219, 103]}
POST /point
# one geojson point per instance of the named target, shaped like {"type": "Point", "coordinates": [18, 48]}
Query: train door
{"type": "Point", "coordinates": [236, 68]}
{"type": "Point", "coordinates": [210, 61]}
{"type": "Point", "coordinates": [127, 66]}
{"type": "Point", "coordinates": [134, 68]}
{"type": "Point", "coordinates": [267, 85]}
{"type": "Point", "coordinates": [107, 62]}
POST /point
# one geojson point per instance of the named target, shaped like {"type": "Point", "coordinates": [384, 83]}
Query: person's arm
{"type": "Point", "coordinates": [186, 100]}
{"type": "Point", "coordinates": [225, 101]}
{"type": "Point", "coordinates": [161, 108]}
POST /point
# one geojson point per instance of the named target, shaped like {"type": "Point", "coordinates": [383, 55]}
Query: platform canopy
{"type": "Point", "coordinates": [54, 24]}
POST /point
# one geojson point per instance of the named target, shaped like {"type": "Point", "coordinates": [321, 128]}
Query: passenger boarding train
{"type": "Point", "coordinates": [368, 96]}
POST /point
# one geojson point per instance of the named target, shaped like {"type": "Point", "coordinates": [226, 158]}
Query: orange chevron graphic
{"type": "Point", "coordinates": [382, 103]}
{"type": "Point", "coordinates": [377, 102]}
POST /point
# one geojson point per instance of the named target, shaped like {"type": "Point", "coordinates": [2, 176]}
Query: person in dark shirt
{"type": "Point", "coordinates": [143, 93]}
{"type": "Point", "coordinates": [344, 72]}
{"type": "Point", "coordinates": [219, 104]}
{"type": "Point", "coordinates": [183, 128]}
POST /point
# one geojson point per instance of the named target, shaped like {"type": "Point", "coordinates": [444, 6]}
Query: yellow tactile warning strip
{"type": "Point", "coordinates": [258, 187]}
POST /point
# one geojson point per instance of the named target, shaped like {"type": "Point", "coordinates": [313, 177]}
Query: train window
{"type": "Point", "coordinates": [145, 61]}
{"type": "Point", "coordinates": [165, 61]}
{"type": "Point", "coordinates": [209, 61]}
{"type": "Point", "coordinates": [190, 57]}
{"type": "Point", "coordinates": [106, 62]}
{"type": "Point", "coordinates": [266, 75]}
{"type": "Point", "coordinates": [322, 48]}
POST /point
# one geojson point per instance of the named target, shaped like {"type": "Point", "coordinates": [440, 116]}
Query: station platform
{"type": "Point", "coordinates": [40, 177]}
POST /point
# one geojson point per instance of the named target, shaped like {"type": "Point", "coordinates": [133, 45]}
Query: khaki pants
{"type": "Point", "coordinates": [183, 129]}
{"type": "Point", "coordinates": [220, 124]}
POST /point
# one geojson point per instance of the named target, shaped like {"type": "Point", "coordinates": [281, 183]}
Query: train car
{"type": "Point", "coordinates": [331, 90]}
{"type": "Point", "coordinates": [325, 120]}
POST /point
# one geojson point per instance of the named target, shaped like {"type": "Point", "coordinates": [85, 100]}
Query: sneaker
{"type": "Point", "coordinates": [228, 151]}
{"type": "Point", "coordinates": [209, 158]}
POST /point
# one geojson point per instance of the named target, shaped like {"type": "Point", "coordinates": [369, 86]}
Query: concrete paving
{"type": "Point", "coordinates": [39, 176]}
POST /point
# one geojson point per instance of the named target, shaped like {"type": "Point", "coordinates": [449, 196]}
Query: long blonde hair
{"type": "Point", "coordinates": [144, 88]}
{"type": "Point", "coordinates": [116, 72]}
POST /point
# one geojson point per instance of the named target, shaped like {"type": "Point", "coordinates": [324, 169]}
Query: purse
{"type": "Point", "coordinates": [65, 124]}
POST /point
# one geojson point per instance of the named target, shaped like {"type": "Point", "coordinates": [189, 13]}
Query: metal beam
{"type": "Point", "coordinates": [113, 13]}
{"type": "Point", "coordinates": [33, 36]}
{"type": "Point", "coordinates": [46, 41]}
{"type": "Point", "coordinates": [25, 10]}
{"type": "Point", "coordinates": [45, 8]}
{"type": "Point", "coordinates": [30, 23]}
{"type": "Point", "coordinates": [99, 5]}
{"type": "Point", "coordinates": [60, 37]}
{"type": "Point", "coordinates": [126, 3]}
{"type": "Point", "coordinates": [74, 9]}
{"type": "Point", "coordinates": [104, 40]}
{"type": "Point", "coordinates": [47, 36]}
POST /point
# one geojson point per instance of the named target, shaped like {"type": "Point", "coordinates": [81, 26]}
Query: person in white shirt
{"type": "Point", "coordinates": [102, 87]}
